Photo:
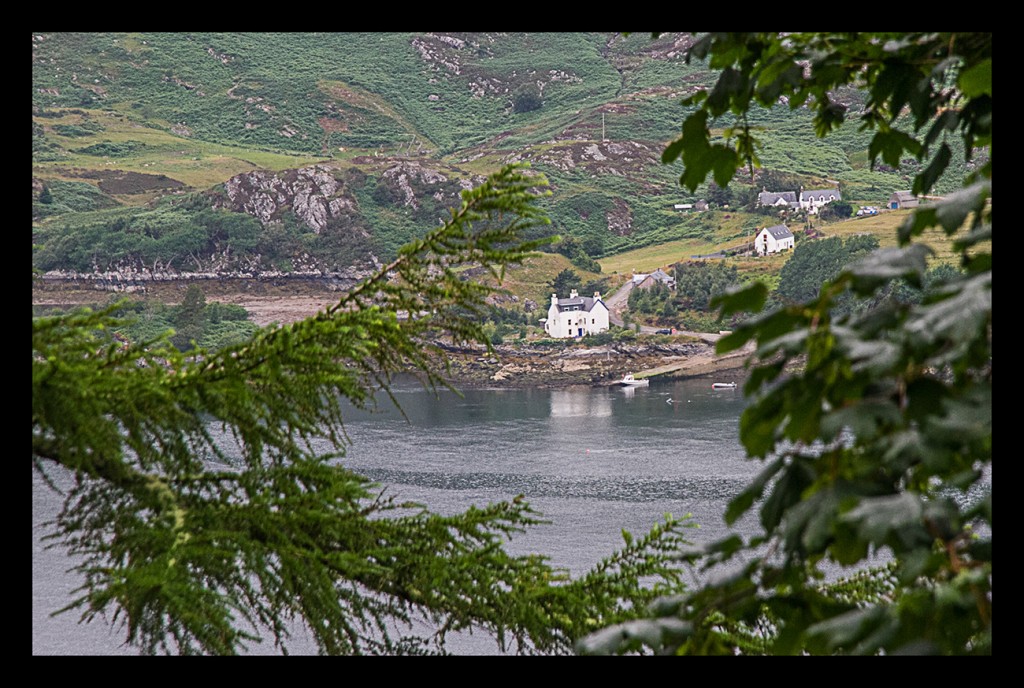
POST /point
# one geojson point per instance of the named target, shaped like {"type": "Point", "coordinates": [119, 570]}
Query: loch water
{"type": "Point", "coordinates": [594, 461]}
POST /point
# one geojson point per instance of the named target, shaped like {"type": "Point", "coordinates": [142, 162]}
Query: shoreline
{"type": "Point", "coordinates": [507, 366]}
{"type": "Point", "coordinates": [601, 366]}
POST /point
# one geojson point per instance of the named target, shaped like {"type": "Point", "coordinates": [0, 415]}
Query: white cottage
{"type": "Point", "coordinates": [783, 199]}
{"type": "Point", "coordinates": [811, 201]}
{"type": "Point", "coordinates": [773, 240]}
{"type": "Point", "coordinates": [576, 316]}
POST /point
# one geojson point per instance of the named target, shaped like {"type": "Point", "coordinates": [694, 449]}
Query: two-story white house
{"type": "Point", "coordinates": [576, 316]}
{"type": "Point", "coordinates": [811, 201]}
{"type": "Point", "coordinates": [773, 240]}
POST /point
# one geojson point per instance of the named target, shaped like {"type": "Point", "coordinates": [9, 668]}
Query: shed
{"type": "Point", "coordinates": [903, 199]}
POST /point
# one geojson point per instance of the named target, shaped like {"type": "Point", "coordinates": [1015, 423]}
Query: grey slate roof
{"type": "Point", "coordinates": [772, 197]}
{"type": "Point", "coordinates": [586, 303]}
{"type": "Point", "coordinates": [779, 232]}
{"type": "Point", "coordinates": [814, 193]}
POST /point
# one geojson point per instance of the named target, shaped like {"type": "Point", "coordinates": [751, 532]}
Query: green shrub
{"type": "Point", "coordinates": [624, 335]}
{"type": "Point", "coordinates": [526, 99]}
{"type": "Point", "coordinates": [108, 149]}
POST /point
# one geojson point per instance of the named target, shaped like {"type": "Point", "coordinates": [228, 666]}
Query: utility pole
{"type": "Point", "coordinates": [602, 128]}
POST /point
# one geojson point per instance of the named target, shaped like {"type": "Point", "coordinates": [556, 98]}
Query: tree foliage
{"type": "Point", "coordinates": [698, 281]}
{"type": "Point", "coordinates": [875, 427]}
{"type": "Point", "coordinates": [204, 519]}
{"type": "Point", "coordinates": [190, 318]}
{"type": "Point", "coordinates": [836, 210]}
{"type": "Point", "coordinates": [564, 282]}
{"type": "Point", "coordinates": [814, 263]}
{"type": "Point", "coordinates": [649, 300]}
{"type": "Point", "coordinates": [526, 99]}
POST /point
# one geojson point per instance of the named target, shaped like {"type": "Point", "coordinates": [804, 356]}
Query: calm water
{"type": "Point", "coordinates": [593, 461]}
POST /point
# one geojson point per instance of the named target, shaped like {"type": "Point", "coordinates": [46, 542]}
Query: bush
{"type": "Point", "coordinates": [112, 150]}
{"type": "Point", "coordinates": [526, 99]}
{"type": "Point", "coordinates": [623, 335]}
{"type": "Point", "coordinates": [599, 338]}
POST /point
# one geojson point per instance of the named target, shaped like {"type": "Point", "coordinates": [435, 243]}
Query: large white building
{"type": "Point", "coordinates": [773, 240]}
{"type": "Point", "coordinates": [576, 316]}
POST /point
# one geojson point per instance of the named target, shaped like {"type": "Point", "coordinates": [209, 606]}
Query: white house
{"type": "Point", "coordinates": [773, 240]}
{"type": "Point", "coordinates": [782, 199]}
{"type": "Point", "coordinates": [576, 316]}
{"type": "Point", "coordinates": [812, 200]}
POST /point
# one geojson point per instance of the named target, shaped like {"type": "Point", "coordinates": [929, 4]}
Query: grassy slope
{"type": "Point", "coordinates": [883, 226]}
{"type": "Point", "coordinates": [279, 101]}
{"type": "Point", "coordinates": [197, 164]}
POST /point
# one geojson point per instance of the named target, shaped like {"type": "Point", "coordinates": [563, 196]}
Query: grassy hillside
{"type": "Point", "coordinates": [145, 144]}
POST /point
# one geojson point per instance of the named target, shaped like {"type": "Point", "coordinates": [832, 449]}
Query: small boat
{"type": "Point", "coordinates": [723, 385]}
{"type": "Point", "coordinates": [630, 381]}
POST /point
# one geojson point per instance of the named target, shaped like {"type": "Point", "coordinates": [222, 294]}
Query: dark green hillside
{"type": "Point", "coordinates": [315, 92]}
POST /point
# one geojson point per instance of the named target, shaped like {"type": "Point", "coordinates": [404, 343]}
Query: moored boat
{"type": "Point", "coordinates": [723, 385]}
{"type": "Point", "coordinates": [630, 381]}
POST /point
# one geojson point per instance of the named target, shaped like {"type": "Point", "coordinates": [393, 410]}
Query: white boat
{"type": "Point", "coordinates": [630, 381]}
{"type": "Point", "coordinates": [723, 385]}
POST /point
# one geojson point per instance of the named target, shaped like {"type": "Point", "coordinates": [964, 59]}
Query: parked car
{"type": "Point", "coordinates": [663, 331]}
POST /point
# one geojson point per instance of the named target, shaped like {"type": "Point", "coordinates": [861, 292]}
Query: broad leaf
{"type": "Point", "coordinates": [977, 80]}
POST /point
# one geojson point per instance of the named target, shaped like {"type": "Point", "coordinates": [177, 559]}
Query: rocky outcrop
{"type": "Point", "coordinates": [312, 193]}
{"type": "Point", "coordinates": [620, 218]}
{"type": "Point", "coordinates": [406, 174]}
{"type": "Point", "coordinates": [465, 55]}
{"type": "Point", "coordinates": [620, 158]}
{"type": "Point", "coordinates": [141, 280]}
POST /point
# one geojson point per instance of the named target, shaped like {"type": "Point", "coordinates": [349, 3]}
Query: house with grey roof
{"type": "Point", "coordinates": [814, 199]}
{"type": "Point", "coordinates": [648, 280]}
{"type": "Point", "coordinates": [576, 316]}
{"type": "Point", "coordinates": [903, 199]}
{"type": "Point", "coordinates": [773, 240]}
{"type": "Point", "coordinates": [782, 199]}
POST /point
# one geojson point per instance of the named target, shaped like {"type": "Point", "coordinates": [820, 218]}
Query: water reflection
{"type": "Point", "coordinates": [575, 403]}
